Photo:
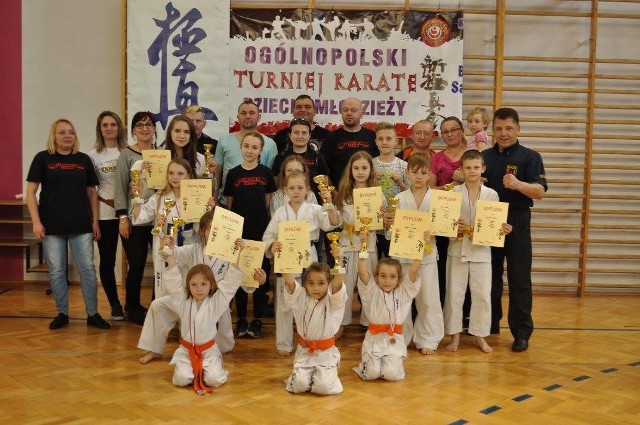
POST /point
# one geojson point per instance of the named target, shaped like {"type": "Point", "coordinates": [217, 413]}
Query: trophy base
{"type": "Point", "coordinates": [166, 251]}
{"type": "Point", "coordinates": [339, 270]}
{"type": "Point", "coordinates": [135, 201]}
{"type": "Point", "coordinates": [327, 207]}
{"type": "Point", "coordinates": [363, 255]}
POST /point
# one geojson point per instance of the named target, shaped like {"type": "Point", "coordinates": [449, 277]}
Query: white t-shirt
{"type": "Point", "coordinates": [105, 165]}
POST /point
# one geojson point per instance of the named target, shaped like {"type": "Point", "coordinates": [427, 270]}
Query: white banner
{"type": "Point", "coordinates": [177, 56]}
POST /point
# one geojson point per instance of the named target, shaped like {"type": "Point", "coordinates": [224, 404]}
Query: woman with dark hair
{"type": "Point", "coordinates": [135, 239]}
{"type": "Point", "coordinates": [67, 215]}
{"type": "Point", "coordinates": [111, 139]}
{"type": "Point", "coordinates": [182, 142]}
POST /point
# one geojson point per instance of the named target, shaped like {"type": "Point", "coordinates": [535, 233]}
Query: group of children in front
{"type": "Point", "coordinates": [321, 307]}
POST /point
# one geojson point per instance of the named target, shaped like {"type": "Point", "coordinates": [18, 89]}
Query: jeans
{"type": "Point", "coordinates": [107, 246]}
{"type": "Point", "coordinates": [55, 249]}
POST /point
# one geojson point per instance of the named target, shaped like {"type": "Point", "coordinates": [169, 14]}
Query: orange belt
{"type": "Point", "coordinates": [317, 344]}
{"type": "Point", "coordinates": [375, 329]}
{"type": "Point", "coordinates": [195, 355]}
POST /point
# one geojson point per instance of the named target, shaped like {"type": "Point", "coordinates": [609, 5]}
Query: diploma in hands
{"type": "Point", "coordinates": [445, 213]}
{"type": "Point", "coordinates": [367, 202]}
{"type": "Point", "coordinates": [487, 228]}
{"type": "Point", "coordinates": [194, 194]}
{"type": "Point", "coordinates": [226, 227]}
{"type": "Point", "coordinates": [250, 260]}
{"type": "Point", "coordinates": [407, 238]}
{"type": "Point", "coordinates": [157, 174]}
{"type": "Point", "coordinates": [295, 254]}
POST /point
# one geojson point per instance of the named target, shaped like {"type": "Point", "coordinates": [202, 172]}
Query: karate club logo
{"type": "Point", "coordinates": [435, 32]}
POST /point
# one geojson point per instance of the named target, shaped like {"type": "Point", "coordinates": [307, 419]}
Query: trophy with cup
{"type": "Point", "coordinates": [207, 154]}
{"type": "Point", "coordinates": [366, 221]}
{"type": "Point", "coordinates": [334, 237]}
{"type": "Point", "coordinates": [135, 186]}
{"type": "Point", "coordinates": [321, 181]}
{"type": "Point", "coordinates": [176, 223]}
{"type": "Point", "coordinates": [168, 204]}
{"type": "Point", "coordinates": [393, 205]}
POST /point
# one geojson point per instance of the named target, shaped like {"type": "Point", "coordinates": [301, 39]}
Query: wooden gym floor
{"type": "Point", "coordinates": [582, 367]}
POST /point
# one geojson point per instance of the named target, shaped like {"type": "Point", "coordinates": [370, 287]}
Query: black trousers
{"type": "Point", "coordinates": [107, 246]}
{"type": "Point", "coordinates": [136, 248]}
{"type": "Point", "coordinates": [518, 253]}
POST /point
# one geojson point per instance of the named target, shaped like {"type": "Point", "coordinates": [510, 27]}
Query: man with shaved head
{"type": "Point", "coordinates": [348, 139]}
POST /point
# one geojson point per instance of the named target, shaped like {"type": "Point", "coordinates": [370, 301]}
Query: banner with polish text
{"type": "Point", "coordinates": [403, 65]}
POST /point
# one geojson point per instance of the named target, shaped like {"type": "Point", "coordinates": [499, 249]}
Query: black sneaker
{"type": "Point", "coordinates": [255, 328]}
{"type": "Point", "coordinates": [59, 321]}
{"type": "Point", "coordinates": [97, 321]}
{"type": "Point", "coordinates": [241, 327]}
{"type": "Point", "coordinates": [137, 316]}
{"type": "Point", "coordinates": [117, 313]}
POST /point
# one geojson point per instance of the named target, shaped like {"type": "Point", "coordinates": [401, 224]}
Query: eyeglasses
{"type": "Point", "coordinates": [299, 120]}
{"type": "Point", "coordinates": [447, 132]}
{"type": "Point", "coordinates": [142, 125]}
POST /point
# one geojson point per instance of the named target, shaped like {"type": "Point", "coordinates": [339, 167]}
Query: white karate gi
{"type": "Point", "coordinates": [380, 357]}
{"type": "Point", "coordinates": [317, 219]}
{"type": "Point", "coordinates": [198, 326]}
{"type": "Point", "coordinates": [428, 329]}
{"type": "Point", "coordinates": [351, 247]}
{"type": "Point", "coordinates": [468, 263]}
{"type": "Point", "coordinates": [149, 211]}
{"type": "Point", "coordinates": [316, 372]}
{"type": "Point", "coordinates": [161, 317]}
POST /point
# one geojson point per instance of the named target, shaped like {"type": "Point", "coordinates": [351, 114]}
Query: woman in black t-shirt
{"type": "Point", "coordinates": [67, 214]}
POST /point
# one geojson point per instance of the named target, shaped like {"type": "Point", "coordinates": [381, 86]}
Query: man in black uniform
{"type": "Point", "coordinates": [517, 174]}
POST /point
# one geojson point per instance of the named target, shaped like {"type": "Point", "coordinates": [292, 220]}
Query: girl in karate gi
{"type": "Point", "coordinates": [297, 188]}
{"type": "Point", "coordinates": [153, 210]}
{"type": "Point", "coordinates": [318, 310]}
{"type": "Point", "coordinates": [290, 164]}
{"type": "Point", "coordinates": [386, 299]}
{"type": "Point", "coordinates": [161, 317]}
{"type": "Point", "coordinates": [199, 304]}
{"type": "Point", "coordinates": [428, 329]}
{"type": "Point", "coordinates": [470, 264]}
{"type": "Point", "coordinates": [359, 173]}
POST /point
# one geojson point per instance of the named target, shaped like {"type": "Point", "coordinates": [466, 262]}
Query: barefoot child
{"type": "Point", "coordinates": [297, 189]}
{"type": "Point", "coordinates": [470, 263]}
{"type": "Point", "coordinates": [318, 310]}
{"type": "Point", "coordinates": [200, 305]}
{"type": "Point", "coordinates": [161, 318]}
{"type": "Point", "coordinates": [428, 329]}
{"type": "Point", "coordinates": [478, 120]}
{"type": "Point", "coordinates": [386, 299]}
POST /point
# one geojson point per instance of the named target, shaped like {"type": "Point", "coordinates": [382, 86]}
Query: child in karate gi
{"type": "Point", "coordinates": [386, 299]}
{"type": "Point", "coordinates": [470, 264]}
{"type": "Point", "coordinates": [318, 310]}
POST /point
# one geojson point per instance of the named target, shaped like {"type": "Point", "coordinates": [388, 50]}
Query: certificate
{"type": "Point", "coordinates": [367, 202]}
{"type": "Point", "coordinates": [226, 227]}
{"type": "Point", "coordinates": [250, 260]}
{"type": "Point", "coordinates": [407, 239]}
{"type": "Point", "coordinates": [194, 196]}
{"type": "Point", "coordinates": [487, 229]}
{"type": "Point", "coordinates": [295, 254]}
{"type": "Point", "coordinates": [445, 213]}
{"type": "Point", "coordinates": [157, 174]}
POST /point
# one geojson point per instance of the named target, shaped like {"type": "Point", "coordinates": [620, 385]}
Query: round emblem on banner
{"type": "Point", "coordinates": [435, 32]}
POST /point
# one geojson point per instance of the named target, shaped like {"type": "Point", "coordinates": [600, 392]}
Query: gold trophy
{"type": "Point", "coordinates": [168, 204]}
{"type": "Point", "coordinates": [364, 253]}
{"type": "Point", "coordinates": [449, 186]}
{"type": "Point", "coordinates": [176, 222]}
{"type": "Point", "coordinates": [334, 237]}
{"type": "Point", "coordinates": [207, 153]}
{"type": "Point", "coordinates": [321, 181]}
{"type": "Point", "coordinates": [393, 205]}
{"type": "Point", "coordinates": [135, 180]}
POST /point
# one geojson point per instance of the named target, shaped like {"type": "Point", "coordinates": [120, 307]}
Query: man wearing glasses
{"type": "Point", "coordinates": [422, 135]}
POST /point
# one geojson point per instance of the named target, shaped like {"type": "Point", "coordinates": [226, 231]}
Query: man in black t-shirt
{"type": "Point", "coordinates": [517, 174]}
{"type": "Point", "coordinates": [303, 107]}
{"type": "Point", "coordinates": [347, 140]}
{"type": "Point", "coordinates": [196, 114]}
